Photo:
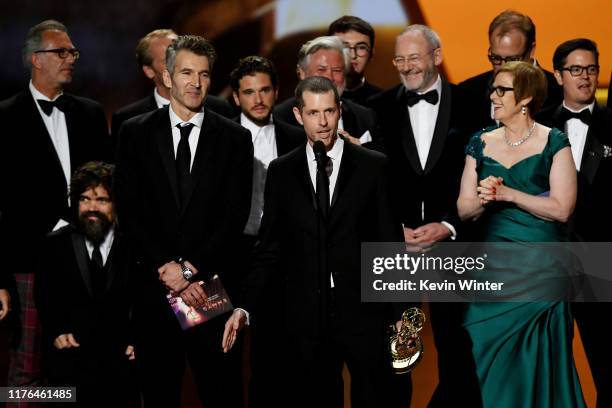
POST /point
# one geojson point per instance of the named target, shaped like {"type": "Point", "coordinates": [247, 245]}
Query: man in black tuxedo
{"type": "Point", "coordinates": [255, 88]}
{"type": "Point", "coordinates": [512, 37]}
{"type": "Point", "coordinates": [589, 128]}
{"type": "Point", "coordinates": [423, 127]}
{"type": "Point", "coordinates": [47, 134]}
{"type": "Point", "coordinates": [316, 215]}
{"type": "Point", "coordinates": [151, 57]}
{"type": "Point", "coordinates": [183, 184]}
{"type": "Point", "coordinates": [327, 57]}
{"type": "Point", "coordinates": [357, 36]}
{"type": "Point", "coordinates": [84, 296]}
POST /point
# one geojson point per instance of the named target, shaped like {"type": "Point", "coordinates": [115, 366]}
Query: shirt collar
{"type": "Point", "coordinates": [252, 126]}
{"type": "Point", "coordinates": [335, 153]}
{"type": "Point", "coordinates": [39, 95]}
{"type": "Point", "coordinates": [160, 100]}
{"type": "Point", "coordinates": [196, 119]}
{"type": "Point", "coordinates": [589, 107]}
{"type": "Point", "coordinates": [436, 85]}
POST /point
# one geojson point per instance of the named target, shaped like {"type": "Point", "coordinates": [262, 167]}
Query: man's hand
{"type": "Point", "coordinates": [129, 352]}
{"type": "Point", "coordinates": [426, 235]}
{"type": "Point", "coordinates": [5, 303]}
{"type": "Point", "coordinates": [233, 325]}
{"type": "Point", "coordinates": [65, 341]}
{"type": "Point", "coordinates": [348, 137]}
{"type": "Point", "coordinates": [171, 275]}
{"type": "Point", "coordinates": [194, 294]}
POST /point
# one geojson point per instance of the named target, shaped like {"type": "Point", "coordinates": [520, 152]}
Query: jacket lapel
{"type": "Point", "coordinates": [593, 149]}
{"type": "Point", "coordinates": [163, 134]}
{"type": "Point", "coordinates": [302, 174]}
{"type": "Point", "coordinates": [82, 259]}
{"type": "Point", "coordinates": [339, 197]}
{"type": "Point", "coordinates": [441, 129]}
{"type": "Point", "coordinates": [405, 132]}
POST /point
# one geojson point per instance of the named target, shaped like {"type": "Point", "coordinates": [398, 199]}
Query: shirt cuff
{"type": "Point", "coordinates": [452, 230]}
{"type": "Point", "coordinates": [366, 137]}
{"type": "Point", "coordinates": [248, 316]}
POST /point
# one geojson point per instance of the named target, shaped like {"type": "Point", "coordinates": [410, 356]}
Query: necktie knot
{"type": "Point", "coordinates": [412, 98]}
{"type": "Point", "coordinates": [47, 106]}
{"type": "Point", "coordinates": [185, 130]}
{"type": "Point", "coordinates": [96, 256]}
{"type": "Point", "coordinates": [584, 115]}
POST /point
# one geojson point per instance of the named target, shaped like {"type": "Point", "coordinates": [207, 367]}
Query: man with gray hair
{"type": "Point", "coordinates": [47, 133]}
{"type": "Point", "coordinates": [327, 57]}
{"type": "Point", "coordinates": [151, 57]}
{"type": "Point", "coordinates": [424, 134]}
{"type": "Point", "coordinates": [183, 190]}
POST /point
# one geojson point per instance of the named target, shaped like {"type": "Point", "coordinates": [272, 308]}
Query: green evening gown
{"type": "Point", "coordinates": [523, 351]}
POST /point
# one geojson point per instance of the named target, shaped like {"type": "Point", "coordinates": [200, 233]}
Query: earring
{"type": "Point", "coordinates": [523, 110]}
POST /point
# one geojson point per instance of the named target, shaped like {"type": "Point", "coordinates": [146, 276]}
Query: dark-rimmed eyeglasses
{"type": "Point", "coordinates": [361, 49]}
{"type": "Point", "coordinates": [499, 90]}
{"type": "Point", "coordinates": [577, 70]}
{"type": "Point", "coordinates": [498, 59]}
{"type": "Point", "coordinates": [63, 52]}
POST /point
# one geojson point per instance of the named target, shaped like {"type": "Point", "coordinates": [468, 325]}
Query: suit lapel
{"type": "Point", "coordinates": [302, 174]}
{"type": "Point", "coordinates": [346, 172]}
{"type": "Point", "coordinates": [441, 129]}
{"type": "Point", "coordinates": [163, 135]}
{"type": "Point", "coordinates": [202, 160]}
{"type": "Point", "coordinates": [82, 259]}
{"type": "Point", "coordinates": [593, 150]}
{"type": "Point", "coordinates": [406, 134]}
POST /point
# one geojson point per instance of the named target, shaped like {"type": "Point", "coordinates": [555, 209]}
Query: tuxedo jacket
{"type": "Point", "coordinates": [287, 137]}
{"type": "Point", "coordinates": [148, 104]}
{"type": "Point", "coordinates": [357, 119]}
{"type": "Point", "coordinates": [361, 94]}
{"type": "Point", "coordinates": [478, 88]}
{"type": "Point", "coordinates": [34, 191]}
{"type": "Point", "coordinates": [289, 246]}
{"type": "Point", "coordinates": [66, 304]}
{"type": "Point", "coordinates": [590, 221]}
{"type": "Point", "coordinates": [424, 195]}
{"type": "Point", "coordinates": [205, 230]}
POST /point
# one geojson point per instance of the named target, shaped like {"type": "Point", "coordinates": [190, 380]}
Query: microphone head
{"type": "Point", "coordinates": [319, 149]}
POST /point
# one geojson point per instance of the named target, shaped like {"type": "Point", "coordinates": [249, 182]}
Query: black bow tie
{"type": "Point", "coordinates": [413, 98]}
{"type": "Point", "coordinates": [47, 106]}
{"type": "Point", "coordinates": [584, 115]}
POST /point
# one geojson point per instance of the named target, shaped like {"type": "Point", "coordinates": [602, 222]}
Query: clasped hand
{"type": "Point", "coordinates": [493, 189]}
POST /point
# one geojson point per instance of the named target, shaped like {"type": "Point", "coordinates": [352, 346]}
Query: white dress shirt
{"type": "Point", "coordinates": [160, 100]}
{"type": "Point", "coordinates": [58, 131]}
{"type": "Point", "coordinates": [335, 154]}
{"type": "Point", "coordinates": [194, 135]}
{"type": "Point", "coordinates": [264, 146]}
{"type": "Point", "coordinates": [423, 117]}
{"type": "Point", "coordinates": [577, 132]}
{"type": "Point", "coordinates": [105, 246]}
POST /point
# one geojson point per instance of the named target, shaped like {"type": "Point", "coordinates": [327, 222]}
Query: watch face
{"type": "Point", "coordinates": [187, 274]}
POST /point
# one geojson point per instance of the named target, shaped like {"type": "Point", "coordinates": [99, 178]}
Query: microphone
{"type": "Point", "coordinates": [320, 154]}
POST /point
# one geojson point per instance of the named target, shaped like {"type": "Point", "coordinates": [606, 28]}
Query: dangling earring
{"type": "Point", "coordinates": [523, 110]}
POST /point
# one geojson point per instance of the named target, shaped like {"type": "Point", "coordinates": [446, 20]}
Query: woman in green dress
{"type": "Point", "coordinates": [519, 181]}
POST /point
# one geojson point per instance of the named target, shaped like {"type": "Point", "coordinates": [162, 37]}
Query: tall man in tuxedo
{"type": "Point", "coordinates": [183, 184]}
{"type": "Point", "coordinates": [327, 57]}
{"type": "Point", "coordinates": [46, 134]}
{"type": "Point", "coordinates": [84, 296]}
{"type": "Point", "coordinates": [151, 57]}
{"type": "Point", "coordinates": [589, 128]}
{"type": "Point", "coordinates": [254, 83]}
{"type": "Point", "coordinates": [317, 212]}
{"type": "Point", "coordinates": [512, 37]}
{"type": "Point", "coordinates": [422, 126]}
{"type": "Point", "coordinates": [357, 36]}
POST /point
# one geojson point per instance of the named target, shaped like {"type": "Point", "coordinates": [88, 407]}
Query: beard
{"type": "Point", "coordinates": [95, 230]}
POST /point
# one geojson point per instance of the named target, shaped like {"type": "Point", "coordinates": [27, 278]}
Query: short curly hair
{"type": "Point", "coordinates": [91, 175]}
{"type": "Point", "coordinates": [250, 66]}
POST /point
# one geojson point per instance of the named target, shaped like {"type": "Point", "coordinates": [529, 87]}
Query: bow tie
{"type": "Point", "coordinates": [584, 115]}
{"type": "Point", "coordinates": [47, 106]}
{"type": "Point", "coordinates": [412, 98]}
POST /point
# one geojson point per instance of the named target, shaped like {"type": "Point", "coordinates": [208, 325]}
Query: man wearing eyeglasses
{"type": "Point", "coordinates": [421, 124]}
{"type": "Point", "coordinates": [512, 37]}
{"type": "Point", "coordinates": [47, 134]}
{"type": "Point", "coordinates": [589, 128]}
{"type": "Point", "coordinates": [357, 36]}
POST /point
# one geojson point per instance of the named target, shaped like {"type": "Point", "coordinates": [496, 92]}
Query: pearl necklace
{"type": "Point", "coordinates": [520, 141]}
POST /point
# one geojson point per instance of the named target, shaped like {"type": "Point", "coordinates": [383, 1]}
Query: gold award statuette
{"type": "Point", "coordinates": [406, 351]}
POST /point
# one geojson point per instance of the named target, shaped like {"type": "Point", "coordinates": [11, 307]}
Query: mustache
{"type": "Point", "coordinates": [96, 214]}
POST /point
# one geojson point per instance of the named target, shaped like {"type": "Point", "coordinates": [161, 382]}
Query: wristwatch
{"type": "Point", "coordinates": [187, 273]}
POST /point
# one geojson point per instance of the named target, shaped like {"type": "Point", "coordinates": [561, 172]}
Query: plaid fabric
{"type": "Point", "coordinates": [25, 352]}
